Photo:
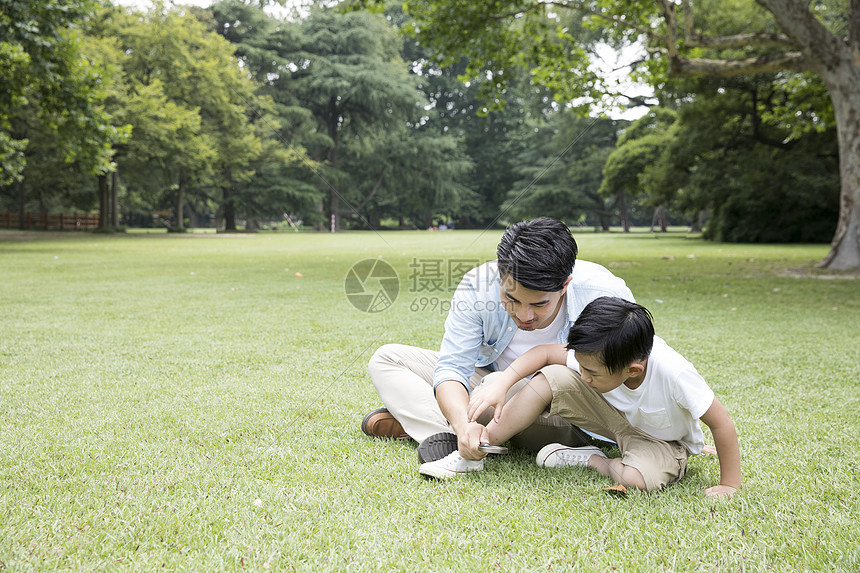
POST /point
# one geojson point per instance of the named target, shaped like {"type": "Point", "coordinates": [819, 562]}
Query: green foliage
{"type": "Point", "coordinates": [560, 170]}
{"type": "Point", "coordinates": [41, 68]}
{"type": "Point", "coordinates": [496, 37]}
{"type": "Point", "coordinates": [469, 115]}
{"type": "Point", "coordinates": [490, 139]}
{"type": "Point", "coordinates": [727, 155]}
{"type": "Point", "coordinates": [786, 198]}
{"type": "Point", "coordinates": [637, 150]}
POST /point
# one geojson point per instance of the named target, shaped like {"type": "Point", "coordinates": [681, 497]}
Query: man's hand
{"type": "Point", "coordinates": [490, 394]}
{"type": "Point", "coordinates": [468, 440]}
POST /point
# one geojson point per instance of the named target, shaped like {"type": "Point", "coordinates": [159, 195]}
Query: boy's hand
{"type": "Point", "coordinates": [488, 394]}
{"type": "Point", "coordinates": [721, 491]}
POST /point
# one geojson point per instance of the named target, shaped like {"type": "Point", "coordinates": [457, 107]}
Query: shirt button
{"type": "Point", "coordinates": [510, 328]}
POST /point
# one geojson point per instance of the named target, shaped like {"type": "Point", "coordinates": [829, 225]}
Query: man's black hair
{"type": "Point", "coordinates": [539, 254]}
{"type": "Point", "coordinates": [619, 331]}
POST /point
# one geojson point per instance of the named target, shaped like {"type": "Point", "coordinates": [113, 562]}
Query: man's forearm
{"type": "Point", "coordinates": [454, 402]}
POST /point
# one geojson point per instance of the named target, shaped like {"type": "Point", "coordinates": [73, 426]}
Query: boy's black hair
{"type": "Point", "coordinates": [539, 254]}
{"type": "Point", "coordinates": [619, 331]}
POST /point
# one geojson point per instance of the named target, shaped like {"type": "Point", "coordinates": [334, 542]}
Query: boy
{"type": "Point", "coordinates": [621, 382]}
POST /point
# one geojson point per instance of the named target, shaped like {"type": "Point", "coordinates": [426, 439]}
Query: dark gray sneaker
{"type": "Point", "coordinates": [437, 447]}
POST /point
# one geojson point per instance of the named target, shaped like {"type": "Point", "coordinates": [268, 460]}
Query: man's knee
{"type": "Point", "coordinates": [381, 356]}
{"type": "Point", "coordinates": [391, 362]}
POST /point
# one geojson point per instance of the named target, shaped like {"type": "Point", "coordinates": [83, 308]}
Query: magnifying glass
{"type": "Point", "coordinates": [488, 449]}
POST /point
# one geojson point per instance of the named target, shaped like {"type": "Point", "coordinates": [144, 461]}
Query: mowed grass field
{"type": "Point", "coordinates": [193, 403]}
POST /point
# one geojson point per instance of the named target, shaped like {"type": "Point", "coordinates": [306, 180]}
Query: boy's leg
{"type": "Point", "coordinates": [656, 462]}
{"type": "Point", "coordinates": [521, 410]}
{"type": "Point", "coordinates": [614, 469]}
{"type": "Point", "coordinates": [542, 430]}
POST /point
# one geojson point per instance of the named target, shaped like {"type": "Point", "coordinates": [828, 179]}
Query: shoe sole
{"type": "Point", "coordinates": [437, 447]}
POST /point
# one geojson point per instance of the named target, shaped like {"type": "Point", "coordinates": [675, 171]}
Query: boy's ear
{"type": "Point", "coordinates": [635, 369]}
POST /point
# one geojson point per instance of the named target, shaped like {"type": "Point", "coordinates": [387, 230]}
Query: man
{"type": "Point", "coordinates": [530, 295]}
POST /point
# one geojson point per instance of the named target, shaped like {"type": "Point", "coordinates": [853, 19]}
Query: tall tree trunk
{"type": "Point", "coordinates": [22, 204]}
{"type": "Point", "coordinates": [322, 224]}
{"type": "Point", "coordinates": [229, 204]}
{"type": "Point", "coordinates": [838, 64]}
{"type": "Point", "coordinates": [605, 220]}
{"type": "Point", "coordinates": [180, 201]}
{"type": "Point", "coordinates": [103, 201]}
{"type": "Point", "coordinates": [622, 211]}
{"type": "Point", "coordinates": [844, 89]}
{"type": "Point", "coordinates": [845, 247]}
{"type": "Point", "coordinates": [375, 219]}
{"type": "Point", "coordinates": [698, 223]}
{"type": "Point", "coordinates": [114, 200]}
{"type": "Point", "coordinates": [659, 218]}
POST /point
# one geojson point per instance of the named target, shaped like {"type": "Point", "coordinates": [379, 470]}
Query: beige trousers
{"type": "Point", "coordinates": [660, 463]}
{"type": "Point", "coordinates": [403, 377]}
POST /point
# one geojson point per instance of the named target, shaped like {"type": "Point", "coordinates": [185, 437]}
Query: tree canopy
{"type": "Point", "coordinates": [683, 39]}
{"type": "Point", "coordinates": [433, 111]}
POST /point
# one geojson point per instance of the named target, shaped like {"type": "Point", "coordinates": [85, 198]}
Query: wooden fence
{"type": "Point", "coordinates": [50, 221]}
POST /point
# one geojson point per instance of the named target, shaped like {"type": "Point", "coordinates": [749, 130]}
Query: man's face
{"type": "Point", "coordinates": [530, 309]}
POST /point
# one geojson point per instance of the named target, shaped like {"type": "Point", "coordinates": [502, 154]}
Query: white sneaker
{"type": "Point", "coordinates": [451, 465]}
{"type": "Point", "coordinates": [560, 456]}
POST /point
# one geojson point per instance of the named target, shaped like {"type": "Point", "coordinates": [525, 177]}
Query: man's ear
{"type": "Point", "coordinates": [567, 282]}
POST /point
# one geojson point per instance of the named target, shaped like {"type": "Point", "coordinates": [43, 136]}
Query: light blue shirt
{"type": "Point", "coordinates": [478, 327]}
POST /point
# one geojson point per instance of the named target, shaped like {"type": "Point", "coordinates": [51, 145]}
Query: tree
{"type": "Point", "coordinates": [560, 169]}
{"type": "Point", "coordinates": [191, 103]}
{"type": "Point", "coordinates": [790, 36]}
{"type": "Point", "coordinates": [284, 179]}
{"type": "Point", "coordinates": [47, 84]}
{"type": "Point", "coordinates": [728, 155]}
{"type": "Point", "coordinates": [418, 175]}
{"type": "Point", "coordinates": [639, 148]}
{"type": "Point", "coordinates": [346, 69]}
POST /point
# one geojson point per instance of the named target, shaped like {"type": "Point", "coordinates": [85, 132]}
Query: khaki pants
{"type": "Point", "coordinates": [403, 377]}
{"type": "Point", "coordinates": [660, 463]}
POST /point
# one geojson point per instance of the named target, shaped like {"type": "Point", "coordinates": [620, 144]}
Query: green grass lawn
{"type": "Point", "coordinates": [191, 403]}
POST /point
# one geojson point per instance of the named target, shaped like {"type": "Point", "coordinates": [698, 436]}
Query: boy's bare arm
{"type": "Point", "coordinates": [726, 441]}
{"type": "Point", "coordinates": [494, 394]}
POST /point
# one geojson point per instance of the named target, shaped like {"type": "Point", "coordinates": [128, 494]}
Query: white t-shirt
{"type": "Point", "coordinates": [525, 340]}
{"type": "Point", "coordinates": [669, 402]}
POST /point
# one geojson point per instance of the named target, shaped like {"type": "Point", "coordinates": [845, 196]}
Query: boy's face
{"type": "Point", "coordinates": [530, 309]}
{"type": "Point", "coordinates": [597, 376]}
